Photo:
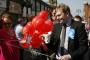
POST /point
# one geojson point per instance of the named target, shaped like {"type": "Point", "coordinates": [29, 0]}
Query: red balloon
{"type": "Point", "coordinates": [38, 33]}
{"type": "Point", "coordinates": [25, 45]}
{"type": "Point", "coordinates": [25, 30]}
{"type": "Point", "coordinates": [35, 19]}
{"type": "Point", "coordinates": [43, 14]}
{"type": "Point", "coordinates": [38, 22]}
{"type": "Point", "coordinates": [28, 29]}
{"type": "Point", "coordinates": [36, 41]}
{"type": "Point", "coordinates": [31, 28]}
{"type": "Point", "coordinates": [48, 26]}
{"type": "Point", "coordinates": [41, 28]}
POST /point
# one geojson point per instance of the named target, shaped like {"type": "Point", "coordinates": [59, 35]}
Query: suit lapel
{"type": "Point", "coordinates": [57, 29]}
{"type": "Point", "coordinates": [71, 42]}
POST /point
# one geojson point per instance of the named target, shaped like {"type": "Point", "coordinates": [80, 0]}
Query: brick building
{"type": "Point", "coordinates": [87, 12]}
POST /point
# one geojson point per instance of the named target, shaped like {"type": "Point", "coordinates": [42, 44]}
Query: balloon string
{"type": "Point", "coordinates": [35, 52]}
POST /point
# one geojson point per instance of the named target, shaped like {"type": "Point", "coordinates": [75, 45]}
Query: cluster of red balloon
{"type": "Point", "coordinates": [40, 24]}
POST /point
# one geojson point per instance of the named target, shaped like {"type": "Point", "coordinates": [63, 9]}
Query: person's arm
{"type": "Point", "coordinates": [54, 39]}
{"type": "Point", "coordinates": [83, 42]}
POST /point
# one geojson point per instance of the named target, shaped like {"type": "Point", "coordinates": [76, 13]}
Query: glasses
{"type": "Point", "coordinates": [7, 23]}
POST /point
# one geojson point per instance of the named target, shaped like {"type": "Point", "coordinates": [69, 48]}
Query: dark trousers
{"type": "Point", "coordinates": [33, 54]}
{"type": "Point", "coordinates": [21, 54]}
{"type": "Point", "coordinates": [87, 54]}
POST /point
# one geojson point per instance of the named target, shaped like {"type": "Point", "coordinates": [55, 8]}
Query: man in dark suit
{"type": "Point", "coordinates": [75, 44]}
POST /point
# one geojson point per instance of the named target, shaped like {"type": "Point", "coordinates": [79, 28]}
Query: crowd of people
{"type": "Point", "coordinates": [68, 40]}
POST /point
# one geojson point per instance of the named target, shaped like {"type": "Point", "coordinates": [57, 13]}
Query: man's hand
{"type": "Point", "coordinates": [44, 47]}
{"type": "Point", "coordinates": [58, 57]}
{"type": "Point", "coordinates": [23, 41]}
{"type": "Point", "coordinates": [65, 57]}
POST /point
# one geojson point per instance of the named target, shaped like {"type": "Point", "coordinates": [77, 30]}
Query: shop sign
{"type": "Point", "coordinates": [2, 3]}
{"type": "Point", "coordinates": [15, 8]}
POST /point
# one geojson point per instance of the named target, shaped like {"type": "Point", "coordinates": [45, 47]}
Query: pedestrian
{"type": "Point", "coordinates": [69, 38]}
{"type": "Point", "coordinates": [8, 40]}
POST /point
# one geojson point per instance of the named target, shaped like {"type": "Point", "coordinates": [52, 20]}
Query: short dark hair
{"type": "Point", "coordinates": [79, 17]}
{"type": "Point", "coordinates": [64, 7]}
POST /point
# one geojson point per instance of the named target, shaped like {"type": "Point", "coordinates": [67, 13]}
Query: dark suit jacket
{"type": "Point", "coordinates": [77, 46]}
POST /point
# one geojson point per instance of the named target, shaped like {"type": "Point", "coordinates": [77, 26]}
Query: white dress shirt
{"type": "Point", "coordinates": [18, 30]}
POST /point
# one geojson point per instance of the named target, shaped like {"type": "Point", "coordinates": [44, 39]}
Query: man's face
{"type": "Point", "coordinates": [61, 15]}
{"type": "Point", "coordinates": [53, 13]}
